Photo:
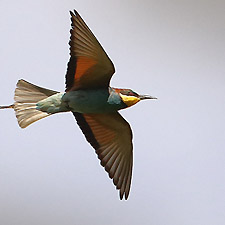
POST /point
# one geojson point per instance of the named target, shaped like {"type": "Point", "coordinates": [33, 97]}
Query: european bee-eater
{"type": "Point", "coordinates": [92, 101]}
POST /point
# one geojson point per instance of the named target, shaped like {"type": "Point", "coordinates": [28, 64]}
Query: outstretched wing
{"type": "Point", "coordinates": [111, 136]}
{"type": "Point", "coordinates": [89, 65]}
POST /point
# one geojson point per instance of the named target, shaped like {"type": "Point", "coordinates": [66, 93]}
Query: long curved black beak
{"type": "Point", "coordinates": [142, 97]}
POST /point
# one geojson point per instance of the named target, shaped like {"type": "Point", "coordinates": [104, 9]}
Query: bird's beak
{"type": "Point", "coordinates": [142, 97]}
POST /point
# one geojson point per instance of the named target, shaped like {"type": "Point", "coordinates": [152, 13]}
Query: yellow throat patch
{"type": "Point", "coordinates": [129, 100]}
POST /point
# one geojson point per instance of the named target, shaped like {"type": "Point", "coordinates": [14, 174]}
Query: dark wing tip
{"type": "Point", "coordinates": [74, 13]}
{"type": "Point", "coordinates": [124, 194]}
{"type": "Point", "coordinates": [121, 196]}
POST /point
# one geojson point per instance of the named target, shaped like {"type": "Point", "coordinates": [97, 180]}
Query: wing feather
{"type": "Point", "coordinates": [112, 136]}
{"type": "Point", "coordinates": [89, 65]}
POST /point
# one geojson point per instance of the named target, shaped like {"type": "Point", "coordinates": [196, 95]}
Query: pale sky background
{"type": "Point", "coordinates": [175, 50]}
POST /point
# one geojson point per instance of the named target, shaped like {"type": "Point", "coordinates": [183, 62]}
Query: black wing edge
{"type": "Point", "coordinates": [86, 130]}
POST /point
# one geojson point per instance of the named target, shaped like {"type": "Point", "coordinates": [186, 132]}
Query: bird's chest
{"type": "Point", "coordinates": [92, 101]}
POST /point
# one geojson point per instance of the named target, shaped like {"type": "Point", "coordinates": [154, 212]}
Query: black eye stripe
{"type": "Point", "coordinates": [129, 93]}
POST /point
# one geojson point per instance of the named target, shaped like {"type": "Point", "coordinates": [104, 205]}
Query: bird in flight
{"type": "Point", "coordinates": [92, 101]}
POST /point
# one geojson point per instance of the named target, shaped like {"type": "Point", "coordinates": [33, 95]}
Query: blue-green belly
{"type": "Point", "coordinates": [93, 101]}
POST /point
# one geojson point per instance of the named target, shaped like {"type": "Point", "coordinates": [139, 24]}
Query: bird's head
{"type": "Point", "coordinates": [130, 97]}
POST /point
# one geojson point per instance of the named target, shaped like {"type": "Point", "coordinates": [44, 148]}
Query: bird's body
{"type": "Point", "coordinates": [105, 100]}
{"type": "Point", "coordinates": [92, 101]}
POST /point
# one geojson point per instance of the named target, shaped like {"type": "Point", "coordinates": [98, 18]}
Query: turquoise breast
{"type": "Point", "coordinates": [93, 101]}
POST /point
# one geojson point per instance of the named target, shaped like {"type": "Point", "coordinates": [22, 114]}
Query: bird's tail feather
{"type": "Point", "coordinates": [7, 106]}
{"type": "Point", "coordinates": [26, 96]}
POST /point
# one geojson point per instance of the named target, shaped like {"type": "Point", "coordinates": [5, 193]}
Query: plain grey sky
{"type": "Point", "coordinates": [174, 50]}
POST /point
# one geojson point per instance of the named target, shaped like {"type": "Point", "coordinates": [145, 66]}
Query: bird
{"type": "Point", "coordinates": [92, 101]}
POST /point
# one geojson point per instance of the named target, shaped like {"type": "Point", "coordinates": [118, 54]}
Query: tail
{"type": "Point", "coordinates": [7, 107]}
{"type": "Point", "coordinates": [26, 96]}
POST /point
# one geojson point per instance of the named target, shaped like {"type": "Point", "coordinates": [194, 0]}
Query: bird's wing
{"type": "Point", "coordinates": [111, 136]}
{"type": "Point", "coordinates": [89, 65]}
